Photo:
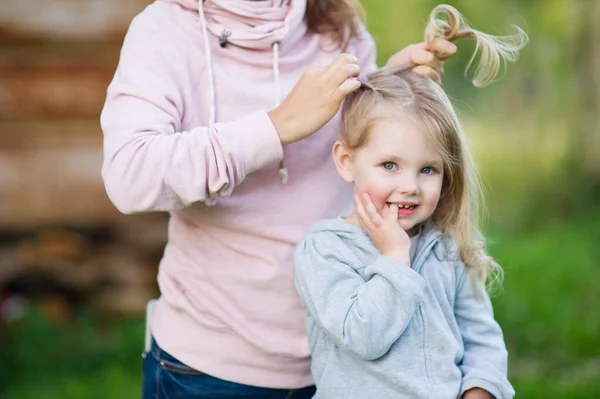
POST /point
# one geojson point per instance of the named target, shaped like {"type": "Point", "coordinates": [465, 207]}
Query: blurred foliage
{"type": "Point", "coordinates": [535, 134]}
{"type": "Point", "coordinates": [86, 358]}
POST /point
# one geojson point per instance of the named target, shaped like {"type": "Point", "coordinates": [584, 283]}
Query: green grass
{"type": "Point", "coordinates": [549, 310]}
{"type": "Point", "coordinates": [82, 360]}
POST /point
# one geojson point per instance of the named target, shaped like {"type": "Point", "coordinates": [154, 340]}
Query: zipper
{"type": "Point", "coordinates": [425, 348]}
{"type": "Point", "coordinates": [418, 263]}
{"type": "Point", "coordinates": [417, 266]}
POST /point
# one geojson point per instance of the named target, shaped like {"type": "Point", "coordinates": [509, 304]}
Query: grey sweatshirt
{"type": "Point", "coordinates": [381, 329]}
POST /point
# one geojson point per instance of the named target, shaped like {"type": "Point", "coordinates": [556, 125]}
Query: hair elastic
{"type": "Point", "coordinates": [363, 79]}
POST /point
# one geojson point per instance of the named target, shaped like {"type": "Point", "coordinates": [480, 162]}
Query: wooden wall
{"type": "Point", "coordinates": [57, 58]}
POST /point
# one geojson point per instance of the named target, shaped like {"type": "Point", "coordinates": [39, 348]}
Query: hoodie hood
{"type": "Point", "coordinates": [343, 228]}
{"type": "Point", "coordinates": [424, 241]}
{"type": "Point", "coordinates": [255, 25]}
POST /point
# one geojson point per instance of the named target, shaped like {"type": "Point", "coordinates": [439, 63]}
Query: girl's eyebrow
{"type": "Point", "coordinates": [392, 157]}
{"type": "Point", "coordinates": [434, 162]}
{"type": "Point", "coordinates": [396, 158]}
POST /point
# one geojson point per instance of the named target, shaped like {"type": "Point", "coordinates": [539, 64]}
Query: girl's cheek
{"type": "Point", "coordinates": [378, 195]}
{"type": "Point", "coordinates": [435, 192]}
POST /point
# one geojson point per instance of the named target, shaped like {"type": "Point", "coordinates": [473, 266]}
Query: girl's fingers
{"type": "Point", "coordinates": [372, 212]}
{"type": "Point", "coordinates": [393, 212]}
{"type": "Point", "coordinates": [385, 212]}
{"type": "Point", "coordinates": [360, 211]}
{"type": "Point", "coordinates": [363, 215]}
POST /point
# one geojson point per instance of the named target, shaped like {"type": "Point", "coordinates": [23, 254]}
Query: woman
{"type": "Point", "coordinates": [223, 113]}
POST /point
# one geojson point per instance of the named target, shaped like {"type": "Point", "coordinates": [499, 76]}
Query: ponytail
{"type": "Point", "coordinates": [495, 50]}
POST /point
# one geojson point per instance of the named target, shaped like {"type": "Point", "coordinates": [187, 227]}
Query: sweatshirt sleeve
{"type": "Point", "coordinates": [150, 163]}
{"type": "Point", "coordinates": [484, 364]}
{"type": "Point", "coordinates": [363, 316]}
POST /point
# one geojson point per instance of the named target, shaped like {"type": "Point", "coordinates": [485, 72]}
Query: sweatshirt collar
{"type": "Point", "coordinates": [255, 25]}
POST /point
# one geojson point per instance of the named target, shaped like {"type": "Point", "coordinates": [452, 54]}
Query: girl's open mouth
{"type": "Point", "coordinates": [406, 210]}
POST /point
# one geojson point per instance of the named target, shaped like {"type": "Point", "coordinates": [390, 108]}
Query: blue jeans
{"type": "Point", "coordinates": [165, 377]}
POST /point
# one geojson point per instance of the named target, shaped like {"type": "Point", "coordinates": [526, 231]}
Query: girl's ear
{"type": "Point", "coordinates": [344, 163]}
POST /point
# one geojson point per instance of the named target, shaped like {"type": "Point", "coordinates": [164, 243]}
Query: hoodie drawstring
{"type": "Point", "coordinates": [276, 73]}
{"type": "Point", "coordinates": [283, 172]}
{"type": "Point", "coordinates": [211, 83]}
{"type": "Point", "coordinates": [211, 199]}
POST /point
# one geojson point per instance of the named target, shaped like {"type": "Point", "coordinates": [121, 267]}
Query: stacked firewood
{"type": "Point", "coordinates": [61, 241]}
{"type": "Point", "coordinates": [110, 269]}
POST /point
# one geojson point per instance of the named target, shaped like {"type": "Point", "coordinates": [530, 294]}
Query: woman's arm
{"type": "Point", "coordinates": [151, 164]}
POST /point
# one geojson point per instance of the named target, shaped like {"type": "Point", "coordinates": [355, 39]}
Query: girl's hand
{"type": "Point", "coordinates": [315, 99]}
{"type": "Point", "coordinates": [477, 393]}
{"type": "Point", "coordinates": [383, 228]}
{"type": "Point", "coordinates": [427, 58]}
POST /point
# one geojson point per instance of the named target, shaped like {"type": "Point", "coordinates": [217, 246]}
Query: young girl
{"type": "Point", "coordinates": [394, 294]}
{"type": "Point", "coordinates": [212, 116]}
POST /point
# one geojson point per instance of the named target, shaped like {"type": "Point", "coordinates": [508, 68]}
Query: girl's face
{"type": "Point", "coordinates": [397, 166]}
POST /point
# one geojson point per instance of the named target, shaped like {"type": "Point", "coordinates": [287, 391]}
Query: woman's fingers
{"type": "Point", "coordinates": [442, 48]}
{"type": "Point", "coordinates": [421, 56]}
{"type": "Point", "coordinates": [347, 87]}
{"type": "Point", "coordinates": [429, 72]}
{"type": "Point", "coordinates": [345, 66]}
{"type": "Point", "coordinates": [337, 78]}
{"type": "Point", "coordinates": [427, 63]}
{"type": "Point", "coordinates": [315, 99]}
{"type": "Point", "coordinates": [429, 58]}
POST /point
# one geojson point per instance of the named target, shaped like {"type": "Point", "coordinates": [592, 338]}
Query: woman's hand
{"type": "Point", "coordinates": [383, 228]}
{"type": "Point", "coordinates": [315, 99]}
{"type": "Point", "coordinates": [427, 57]}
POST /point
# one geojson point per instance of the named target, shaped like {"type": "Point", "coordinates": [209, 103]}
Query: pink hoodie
{"type": "Point", "coordinates": [186, 130]}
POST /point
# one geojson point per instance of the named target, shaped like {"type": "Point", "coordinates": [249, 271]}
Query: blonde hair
{"type": "Point", "coordinates": [420, 98]}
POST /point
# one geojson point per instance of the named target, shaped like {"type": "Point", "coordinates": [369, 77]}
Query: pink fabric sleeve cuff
{"type": "Point", "coordinates": [259, 143]}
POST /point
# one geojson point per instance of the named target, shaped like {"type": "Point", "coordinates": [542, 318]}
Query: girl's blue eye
{"type": "Point", "coordinates": [427, 170]}
{"type": "Point", "coordinates": [389, 166]}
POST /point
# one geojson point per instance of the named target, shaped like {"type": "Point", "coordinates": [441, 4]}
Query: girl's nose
{"type": "Point", "coordinates": [408, 186]}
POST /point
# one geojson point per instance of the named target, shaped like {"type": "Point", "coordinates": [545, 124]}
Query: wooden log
{"type": "Point", "coordinates": [144, 233]}
{"type": "Point", "coordinates": [52, 92]}
{"type": "Point", "coordinates": [60, 55]}
{"type": "Point", "coordinates": [27, 21]}
{"type": "Point", "coordinates": [48, 134]}
{"type": "Point", "coordinates": [51, 173]}
{"type": "Point", "coordinates": [56, 80]}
